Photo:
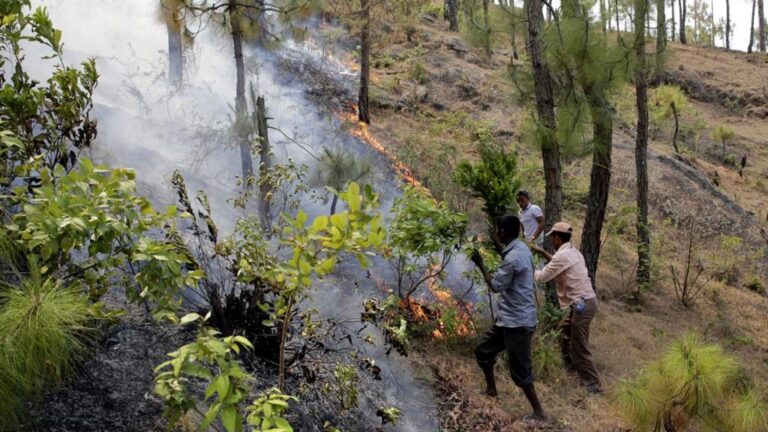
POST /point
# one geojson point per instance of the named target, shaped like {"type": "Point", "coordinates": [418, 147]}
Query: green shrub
{"type": "Point", "coordinates": [419, 72]}
{"type": "Point", "coordinates": [756, 285]}
{"type": "Point", "coordinates": [547, 362]}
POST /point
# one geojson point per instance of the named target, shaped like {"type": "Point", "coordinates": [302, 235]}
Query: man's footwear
{"type": "Point", "coordinates": [533, 418]}
{"type": "Point", "coordinates": [594, 389]}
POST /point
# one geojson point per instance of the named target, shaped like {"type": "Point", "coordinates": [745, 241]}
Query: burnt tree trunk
{"type": "Point", "coordinates": [365, 61]}
{"type": "Point", "coordinates": [547, 122]}
{"type": "Point", "coordinates": [641, 143]}
{"type": "Point", "coordinates": [242, 133]}
{"type": "Point", "coordinates": [452, 10]}
{"type": "Point", "coordinates": [265, 188]}
{"type": "Point", "coordinates": [683, 15]}
{"type": "Point", "coordinates": [752, 28]}
{"type": "Point", "coordinates": [600, 179]}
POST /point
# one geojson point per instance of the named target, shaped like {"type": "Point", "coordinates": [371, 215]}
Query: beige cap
{"type": "Point", "coordinates": [561, 227]}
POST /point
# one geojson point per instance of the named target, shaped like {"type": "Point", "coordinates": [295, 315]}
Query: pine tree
{"type": "Point", "coordinates": [661, 38]}
{"type": "Point", "coordinates": [641, 142]}
{"type": "Point", "coordinates": [761, 23]}
{"type": "Point", "coordinates": [752, 28]}
{"type": "Point", "coordinates": [591, 71]}
{"type": "Point", "coordinates": [727, 24]}
{"type": "Point", "coordinates": [365, 61]}
{"type": "Point", "coordinates": [683, 18]}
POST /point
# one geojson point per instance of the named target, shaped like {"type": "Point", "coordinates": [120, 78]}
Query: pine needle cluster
{"type": "Point", "coordinates": [45, 329]}
{"type": "Point", "coordinates": [693, 384]}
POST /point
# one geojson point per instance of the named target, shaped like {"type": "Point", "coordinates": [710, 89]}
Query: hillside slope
{"type": "Point", "coordinates": [433, 94]}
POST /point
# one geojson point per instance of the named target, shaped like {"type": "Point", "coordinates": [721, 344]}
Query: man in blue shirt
{"type": "Point", "coordinates": [516, 318]}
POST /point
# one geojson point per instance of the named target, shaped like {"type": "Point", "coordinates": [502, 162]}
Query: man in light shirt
{"type": "Point", "coordinates": [516, 318]}
{"type": "Point", "coordinates": [574, 291]}
{"type": "Point", "coordinates": [531, 217]}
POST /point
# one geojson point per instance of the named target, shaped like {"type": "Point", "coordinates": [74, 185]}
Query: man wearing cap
{"type": "Point", "coordinates": [516, 317]}
{"type": "Point", "coordinates": [574, 290]}
{"type": "Point", "coordinates": [531, 217]}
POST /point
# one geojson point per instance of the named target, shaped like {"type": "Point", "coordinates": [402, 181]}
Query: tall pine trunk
{"type": "Point", "coordinates": [603, 16]}
{"type": "Point", "coordinates": [175, 50]}
{"type": "Point", "coordinates": [761, 23]}
{"type": "Point", "coordinates": [674, 23]}
{"type": "Point", "coordinates": [365, 61]}
{"type": "Point", "coordinates": [600, 179]}
{"type": "Point", "coordinates": [661, 40]}
{"type": "Point", "coordinates": [240, 107]}
{"type": "Point", "coordinates": [727, 24]}
{"type": "Point", "coordinates": [641, 143]}
{"type": "Point", "coordinates": [547, 122]}
{"type": "Point", "coordinates": [452, 10]}
{"type": "Point", "coordinates": [683, 16]}
{"type": "Point", "coordinates": [265, 188]}
{"type": "Point", "coordinates": [487, 28]}
{"type": "Point", "coordinates": [752, 28]}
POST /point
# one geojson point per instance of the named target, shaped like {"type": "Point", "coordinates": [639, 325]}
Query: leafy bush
{"type": "Point", "coordinates": [423, 237]}
{"type": "Point", "coordinates": [493, 179]}
{"type": "Point", "coordinates": [692, 384]}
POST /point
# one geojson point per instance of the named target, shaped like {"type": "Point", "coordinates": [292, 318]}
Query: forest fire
{"type": "Point", "coordinates": [459, 323]}
{"type": "Point", "coordinates": [361, 130]}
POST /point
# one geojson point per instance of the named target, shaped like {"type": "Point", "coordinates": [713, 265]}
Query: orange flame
{"type": "Point", "coordinates": [465, 326]}
{"type": "Point", "coordinates": [361, 130]}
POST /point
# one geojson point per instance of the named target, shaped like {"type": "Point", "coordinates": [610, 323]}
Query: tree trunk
{"type": "Point", "coordinates": [600, 180]}
{"type": "Point", "coordinates": [761, 23]}
{"type": "Point", "coordinates": [265, 188]}
{"type": "Point", "coordinates": [603, 16]}
{"type": "Point", "coordinates": [453, 15]}
{"type": "Point", "coordinates": [661, 40]}
{"type": "Point", "coordinates": [727, 24]}
{"type": "Point", "coordinates": [175, 50]}
{"type": "Point", "coordinates": [242, 133]}
{"type": "Point", "coordinates": [365, 61]}
{"type": "Point", "coordinates": [487, 29]}
{"type": "Point", "coordinates": [674, 26]}
{"type": "Point", "coordinates": [752, 28]}
{"type": "Point", "coordinates": [618, 25]}
{"type": "Point", "coordinates": [641, 143]}
{"type": "Point", "coordinates": [334, 201]}
{"type": "Point", "coordinates": [648, 21]}
{"type": "Point", "coordinates": [683, 16]}
{"type": "Point", "coordinates": [545, 108]}
{"type": "Point", "coordinates": [677, 129]}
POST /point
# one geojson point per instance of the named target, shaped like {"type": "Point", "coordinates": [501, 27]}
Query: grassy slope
{"type": "Point", "coordinates": [430, 134]}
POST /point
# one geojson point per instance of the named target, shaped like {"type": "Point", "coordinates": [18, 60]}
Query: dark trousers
{"type": "Point", "coordinates": [574, 342]}
{"type": "Point", "coordinates": [517, 343]}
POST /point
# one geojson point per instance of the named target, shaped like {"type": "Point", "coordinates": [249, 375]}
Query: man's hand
{"type": "Point", "coordinates": [536, 249]}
